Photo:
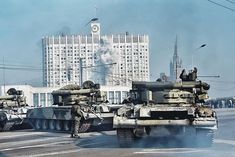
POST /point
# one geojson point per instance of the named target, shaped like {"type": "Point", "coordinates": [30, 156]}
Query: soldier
{"type": "Point", "coordinates": [76, 114]}
{"type": "Point", "coordinates": [192, 76]}
{"type": "Point", "coordinates": [183, 75]}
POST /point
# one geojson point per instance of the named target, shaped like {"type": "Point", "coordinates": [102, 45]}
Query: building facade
{"type": "Point", "coordinates": [105, 59]}
{"type": "Point", "coordinates": [175, 65]}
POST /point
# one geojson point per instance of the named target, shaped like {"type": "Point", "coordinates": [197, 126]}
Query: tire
{"type": "Point", "coordinates": [38, 124]}
{"type": "Point", "coordinates": [44, 124]}
{"type": "Point", "coordinates": [125, 137]}
{"type": "Point", "coordinates": [2, 124]}
{"type": "Point", "coordinates": [59, 125]}
{"type": "Point", "coordinates": [51, 124]}
{"type": "Point", "coordinates": [1, 127]}
{"type": "Point", "coordinates": [66, 125]}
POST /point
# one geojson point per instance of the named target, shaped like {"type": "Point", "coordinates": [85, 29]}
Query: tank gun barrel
{"type": "Point", "coordinates": [8, 97]}
{"type": "Point", "coordinates": [74, 92]}
{"type": "Point", "coordinates": [214, 76]}
{"type": "Point", "coordinates": [169, 85]}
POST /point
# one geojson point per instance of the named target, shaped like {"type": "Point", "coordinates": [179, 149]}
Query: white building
{"type": "Point", "coordinates": [105, 59]}
{"type": "Point", "coordinates": [41, 96]}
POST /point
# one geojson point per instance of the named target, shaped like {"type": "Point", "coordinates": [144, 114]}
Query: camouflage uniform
{"type": "Point", "coordinates": [76, 114]}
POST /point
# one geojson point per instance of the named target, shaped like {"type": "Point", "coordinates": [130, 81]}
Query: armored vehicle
{"type": "Point", "coordinates": [13, 109]}
{"type": "Point", "coordinates": [167, 109]}
{"type": "Point", "coordinates": [97, 113]}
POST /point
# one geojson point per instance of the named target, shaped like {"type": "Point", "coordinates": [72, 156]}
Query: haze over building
{"type": "Point", "coordinates": [105, 59]}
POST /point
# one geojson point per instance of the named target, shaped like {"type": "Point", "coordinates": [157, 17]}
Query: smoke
{"type": "Point", "coordinates": [175, 137]}
{"type": "Point", "coordinates": [106, 57]}
{"type": "Point", "coordinates": [65, 30]}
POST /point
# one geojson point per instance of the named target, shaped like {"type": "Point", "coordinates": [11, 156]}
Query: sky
{"type": "Point", "coordinates": [23, 23]}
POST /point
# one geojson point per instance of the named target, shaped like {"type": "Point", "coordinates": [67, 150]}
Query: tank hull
{"type": "Point", "coordinates": [164, 115]}
{"type": "Point", "coordinates": [58, 119]}
{"type": "Point", "coordinates": [164, 121]}
{"type": "Point", "coordinates": [10, 118]}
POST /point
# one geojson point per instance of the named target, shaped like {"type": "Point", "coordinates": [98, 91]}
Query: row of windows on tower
{"type": "Point", "coordinates": [95, 39]}
{"type": "Point", "coordinates": [76, 53]}
{"type": "Point", "coordinates": [58, 47]}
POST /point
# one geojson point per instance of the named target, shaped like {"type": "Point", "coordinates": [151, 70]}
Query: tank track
{"type": "Point", "coordinates": [125, 137]}
{"type": "Point", "coordinates": [6, 126]}
{"type": "Point", "coordinates": [57, 125]}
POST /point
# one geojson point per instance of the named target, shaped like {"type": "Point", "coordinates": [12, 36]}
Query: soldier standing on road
{"type": "Point", "coordinates": [76, 114]}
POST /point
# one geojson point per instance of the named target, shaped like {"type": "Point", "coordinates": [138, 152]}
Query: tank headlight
{"type": "Point", "coordinates": [214, 114]}
{"type": "Point", "coordinates": [190, 111]}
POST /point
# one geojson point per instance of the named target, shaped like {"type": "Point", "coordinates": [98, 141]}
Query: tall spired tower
{"type": "Point", "coordinates": [175, 65]}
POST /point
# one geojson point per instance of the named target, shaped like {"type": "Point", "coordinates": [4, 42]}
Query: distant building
{"type": "Point", "coordinates": [175, 65]}
{"type": "Point", "coordinates": [105, 59]}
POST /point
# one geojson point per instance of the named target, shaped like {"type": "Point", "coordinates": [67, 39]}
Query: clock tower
{"type": "Point", "coordinates": [95, 28]}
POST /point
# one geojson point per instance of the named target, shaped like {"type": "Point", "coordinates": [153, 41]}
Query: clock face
{"type": "Point", "coordinates": [95, 28]}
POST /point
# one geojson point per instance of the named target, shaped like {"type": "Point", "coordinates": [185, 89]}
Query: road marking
{"type": "Point", "coordinates": [76, 142]}
{"type": "Point", "coordinates": [35, 146]}
{"type": "Point", "coordinates": [9, 136]}
{"type": "Point", "coordinates": [231, 142]}
{"type": "Point", "coordinates": [53, 153]}
{"type": "Point", "coordinates": [28, 141]}
{"type": "Point", "coordinates": [170, 150]}
{"type": "Point", "coordinates": [182, 150]}
{"type": "Point", "coordinates": [93, 143]}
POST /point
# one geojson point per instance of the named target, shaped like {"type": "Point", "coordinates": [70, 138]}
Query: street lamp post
{"type": "Point", "coordinates": [203, 45]}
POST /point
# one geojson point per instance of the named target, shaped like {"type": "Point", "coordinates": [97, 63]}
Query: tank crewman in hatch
{"type": "Point", "coordinates": [76, 114]}
{"type": "Point", "coordinates": [183, 75]}
{"type": "Point", "coordinates": [191, 76]}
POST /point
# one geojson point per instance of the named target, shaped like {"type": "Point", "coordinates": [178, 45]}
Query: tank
{"type": "Point", "coordinates": [13, 109]}
{"type": "Point", "coordinates": [97, 112]}
{"type": "Point", "coordinates": [167, 109]}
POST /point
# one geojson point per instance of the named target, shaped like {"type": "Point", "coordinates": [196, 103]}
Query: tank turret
{"type": "Point", "coordinates": [187, 92]}
{"type": "Point", "coordinates": [68, 95]}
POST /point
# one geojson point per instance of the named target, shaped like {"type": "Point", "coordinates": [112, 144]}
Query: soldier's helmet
{"type": "Point", "coordinates": [77, 101]}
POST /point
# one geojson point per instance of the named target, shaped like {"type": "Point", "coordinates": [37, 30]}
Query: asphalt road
{"type": "Point", "coordinates": [23, 143]}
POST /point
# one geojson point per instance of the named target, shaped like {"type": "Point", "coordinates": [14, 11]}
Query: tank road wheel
{"type": "Point", "coordinates": [44, 124]}
{"type": "Point", "coordinates": [125, 137]}
{"type": "Point", "coordinates": [51, 124]}
{"type": "Point", "coordinates": [59, 125]}
{"type": "Point", "coordinates": [204, 137]}
{"type": "Point", "coordinates": [66, 125]}
{"type": "Point", "coordinates": [2, 126]}
{"type": "Point", "coordinates": [3, 121]}
{"type": "Point", "coordinates": [38, 124]}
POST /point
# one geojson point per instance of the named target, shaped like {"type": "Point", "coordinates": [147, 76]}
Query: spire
{"type": "Point", "coordinates": [175, 50]}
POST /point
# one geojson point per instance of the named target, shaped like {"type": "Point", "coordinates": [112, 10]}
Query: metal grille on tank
{"type": "Point", "coordinates": [168, 115]}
